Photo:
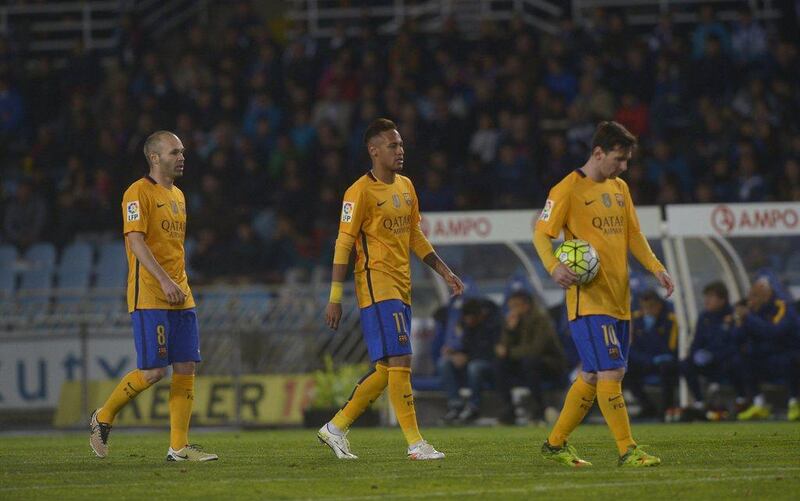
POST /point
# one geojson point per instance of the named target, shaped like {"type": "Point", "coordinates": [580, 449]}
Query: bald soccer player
{"type": "Point", "coordinates": [159, 299]}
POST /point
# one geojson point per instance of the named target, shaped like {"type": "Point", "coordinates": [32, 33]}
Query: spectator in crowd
{"type": "Point", "coordinates": [466, 359]}
{"type": "Point", "coordinates": [528, 353]}
{"type": "Point", "coordinates": [714, 353]}
{"type": "Point", "coordinates": [768, 328]}
{"type": "Point", "coordinates": [25, 216]}
{"type": "Point", "coordinates": [654, 344]}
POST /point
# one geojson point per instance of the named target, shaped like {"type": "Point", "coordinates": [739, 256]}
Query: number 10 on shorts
{"type": "Point", "coordinates": [609, 335]}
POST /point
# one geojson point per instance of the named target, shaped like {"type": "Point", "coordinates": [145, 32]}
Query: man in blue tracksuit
{"type": "Point", "coordinates": [653, 352]}
{"type": "Point", "coordinates": [768, 327]}
{"type": "Point", "coordinates": [715, 352]}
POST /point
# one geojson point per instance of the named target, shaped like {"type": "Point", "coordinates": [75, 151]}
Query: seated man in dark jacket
{"type": "Point", "coordinates": [467, 359]}
{"type": "Point", "coordinates": [768, 328]}
{"type": "Point", "coordinates": [653, 352]}
{"type": "Point", "coordinates": [714, 353]}
{"type": "Point", "coordinates": [528, 352]}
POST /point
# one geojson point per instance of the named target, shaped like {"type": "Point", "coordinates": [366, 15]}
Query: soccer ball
{"type": "Point", "coordinates": [580, 257]}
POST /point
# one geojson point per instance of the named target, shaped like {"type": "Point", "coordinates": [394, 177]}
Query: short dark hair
{"type": "Point", "coordinates": [718, 289]}
{"type": "Point", "coordinates": [378, 127]}
{"type": "Point", "coordinates": [153, 141]}
{"type": "Point", "coordinates": [609, 135]}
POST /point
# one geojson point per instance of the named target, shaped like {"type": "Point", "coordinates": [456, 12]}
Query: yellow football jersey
{"type": "Point", "coordinates": [160, 214]}
{"type": "Point", "coordinates": [384, 220]}
{"type": "Point", "coordinates": [603, 215]}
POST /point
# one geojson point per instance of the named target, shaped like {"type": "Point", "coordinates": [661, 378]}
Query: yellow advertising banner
{"type": "Point", "coordinates": [261, 399]}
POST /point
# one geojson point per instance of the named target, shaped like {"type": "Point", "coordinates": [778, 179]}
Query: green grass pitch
{"type": "Point", "coordinates": [700, 461]}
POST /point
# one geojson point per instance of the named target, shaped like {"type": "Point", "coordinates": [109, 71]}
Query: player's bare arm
{"type": "Point", "coordinates": [333, 312]}
{"type": "Point", "coordinates": [435, 262]}
{"type": "Point", "coordinates": [172, 291]}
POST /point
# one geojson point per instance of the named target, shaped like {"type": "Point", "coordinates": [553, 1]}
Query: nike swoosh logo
{"type": "Point", "coordinates": [160, 205]}
{"type": "Point", "coordinates": [381, 203]}
{"type": "Point", "coordinates": [614, 398]}
{"type": "Point", "coordinates": [588, 202]}
{"type": "Point", "coordinates": [406, 396]}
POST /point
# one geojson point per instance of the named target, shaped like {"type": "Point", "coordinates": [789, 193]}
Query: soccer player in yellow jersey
{"type": "Point", "coordinates": [380, 216]}
{"type": "Point", "coordinates": [159, 299]}
{"type": "Point", "coordinates": [592, 203]}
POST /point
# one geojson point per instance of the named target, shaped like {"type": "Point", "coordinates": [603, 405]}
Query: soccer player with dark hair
{"type": "Point", "coordinates": [592, 203]}
{"type": "Point", "coordinates": [160, 302]}
{"type": "Point", "coordinates": [380, 216]}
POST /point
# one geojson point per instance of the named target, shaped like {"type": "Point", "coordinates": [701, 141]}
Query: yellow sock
{"type": "Point", "coordinates": [403, 402]}
{"type": "Point", "coordinates": [181, 400]}
{"type": "Point", "coordinates": [131, 385]}
{"type": "Point", "coordinates": [577, 404]}
{"type": "Point", "coordinates": [367, 390]}
{"type": "Point", "coordinates": [612, 404]}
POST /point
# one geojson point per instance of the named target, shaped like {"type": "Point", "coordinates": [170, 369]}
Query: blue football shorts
{"type": "Point", "coordinates": [602, 341]}
{"type": "Point", "coordinates": [163, 337]}
{"type": "Point", "coordinates": [386, 326]}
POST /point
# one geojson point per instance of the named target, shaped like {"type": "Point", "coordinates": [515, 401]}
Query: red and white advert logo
{"type": "Point", "coordinates": [457, 227]}
{"type": "Point", "coordinates": [726, 221]}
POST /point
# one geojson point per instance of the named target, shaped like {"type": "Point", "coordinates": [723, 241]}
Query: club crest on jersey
{"type": "Point", "coordinates": [396, 201]}
{"type": "Point", "coordinates": [132, 211]}
{"type": "Point", "coordinates": [548, 208]}
{"type": "Point", "coordinates": [407, 197]}
{"type": "Point", "coordinates": [620, 199]}
{"type": "Point", "coordinates": [347, 211]}
{"type": "Point", "coordinates": [607, 200]}
{"type": "Point", "coordinates": [613, 352]}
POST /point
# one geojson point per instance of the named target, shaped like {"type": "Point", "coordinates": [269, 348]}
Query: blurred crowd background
{"type": "Point", "coordinates": [272, 120]}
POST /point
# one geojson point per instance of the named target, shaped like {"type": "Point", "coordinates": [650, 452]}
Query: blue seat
{"type": "Point", "coordinates": [41, 256]}
{"type": "Point", "coordinates": [112, 266]}
{"type": "Point", "coordinates": [8, 256]}
{"type": "Point", "coordinates": [76, 256]}
{"type": "Point", "coordinates": [36, 286]}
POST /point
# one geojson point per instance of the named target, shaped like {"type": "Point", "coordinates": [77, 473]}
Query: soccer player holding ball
{"type": "Point", "coordinates": [380, 217]}
{"type": "Point", "coordinates": [594, 205]}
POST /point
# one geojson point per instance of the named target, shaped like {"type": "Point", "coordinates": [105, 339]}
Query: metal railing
{"type": "Point", "coordinates": [647, 12]}
{"type": "Point", "coordinates": [276, 329]}
{"type": "Point", "coordinates": [322, 18]}
{"type": "Point", "coordinates": [58, 26]}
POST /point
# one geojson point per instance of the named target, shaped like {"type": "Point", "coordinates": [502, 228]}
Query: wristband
{"type": "Point", "coordinates": [336, 292]}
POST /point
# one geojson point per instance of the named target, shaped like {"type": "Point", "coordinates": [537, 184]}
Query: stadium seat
{"type": "Point", "coordinates": [8, 256]}
{"type": "Point", "coordinates": [36, 286]}
{"type": "Point", "coordinates": [76, 256]}
{"type": "Point", "coordinates": [112, 266]}
{"type": "Point", "coordinates": [41, 256]}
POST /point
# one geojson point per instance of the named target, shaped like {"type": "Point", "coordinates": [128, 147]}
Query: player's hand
{"type": "Point", "coordinates": [173, 292]}
{"type": "Point", "coordinates": [455, 284]}
{"type": "Point", "coordinates": [333, 313]}
{"type": "Point", "coordinates": [563, 276]}
{"type": "Point", "coordinates": [666, 282]}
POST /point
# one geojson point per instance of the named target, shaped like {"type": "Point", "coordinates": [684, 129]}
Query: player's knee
{"type": "Point", "coordinates": [183, 368]}
{"type": "Point", "coordinates": [399, 361]}
{"type": "Point", "coordinates": [152, 376]}
{"type": "Point", "coordinates": [589, 377]}
{"type": "Point", "coordinates": [612, 375]}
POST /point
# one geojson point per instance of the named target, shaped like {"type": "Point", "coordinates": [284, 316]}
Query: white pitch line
{"type": "Point", "coordinates": [441, 493]}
